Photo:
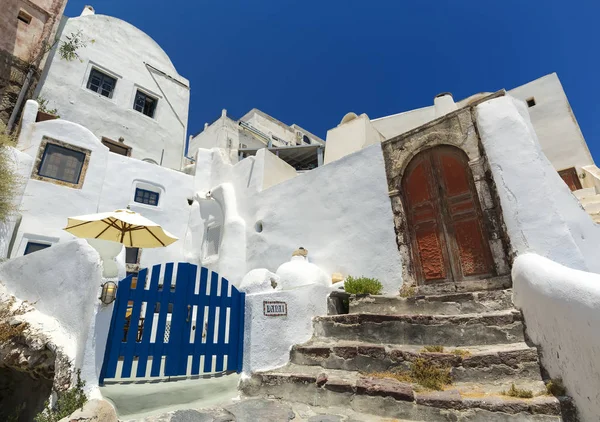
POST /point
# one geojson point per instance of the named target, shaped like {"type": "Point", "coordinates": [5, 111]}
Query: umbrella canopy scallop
{"type": "Point", "coordinates": [122, 226]}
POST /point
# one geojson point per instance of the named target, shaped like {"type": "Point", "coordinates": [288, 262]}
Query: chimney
{"type": "Point", "coordinates": [88, 10]}
{"type": "Point", "coordinates": [444, 104]}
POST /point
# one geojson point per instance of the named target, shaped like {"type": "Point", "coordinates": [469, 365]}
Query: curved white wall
{"type": "Point", "coordinates": [121, 50]}
{"type": "Point", "coordinates": [561, 307]}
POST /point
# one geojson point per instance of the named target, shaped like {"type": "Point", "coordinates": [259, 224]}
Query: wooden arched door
{"type": "Point", "coordinates": [444, 217]}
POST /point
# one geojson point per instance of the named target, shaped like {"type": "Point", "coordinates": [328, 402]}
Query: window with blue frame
{"type": "Point", "coordinates": [144, 103]}
{"type": "Point", "coordinates": [147, 197]}
{"type": "Point", "coordinates": [34, 247]}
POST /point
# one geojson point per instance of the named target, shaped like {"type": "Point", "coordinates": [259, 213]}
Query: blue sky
{"type": "Point", "coordinates": [310, 62]}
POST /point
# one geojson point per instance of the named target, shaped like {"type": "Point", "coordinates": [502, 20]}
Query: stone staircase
{"type": "Point", "coordinates": [349, 360]}
{"type": "Point", "coordinates": [590, 201]}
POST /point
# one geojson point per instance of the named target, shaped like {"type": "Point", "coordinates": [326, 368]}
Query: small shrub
{"type": "Point", "coordinates": [518, 392]}
{"type": "Point", "coordinates": [556, 387]}
{"type": "Point", "coordinates": [362, 285]}
{"type": "Point", "coordinates": [9, 179]}
{"type": "Point", "coordinates": [433, 349]}
{"type": "Point", "coordinates": [67, 403]}
{"type": "Point", "coordinates": [408, 291]}
{"type": "Point", "coordinates": [430, 374]}
{"type": "Point", "coordinates": [461, 352]}
{"type": "Point", "coordinates": [424, 372]}
{"type": "Point", "coordinates": [45, 108]}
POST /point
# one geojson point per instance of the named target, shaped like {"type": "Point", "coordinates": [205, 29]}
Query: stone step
{"type": "Point", "coordinates": [584, 193]}
{"type": "Point", "coordinates": [391, 398]}
{"type": "Point", "coordinates": [491, 283]}
{"type": "Point", "coordinates": [447, 304]}
{"type": "Point", "coordinates": [500, 327]}
{"type": "Point", "coordinates": [487, 363]}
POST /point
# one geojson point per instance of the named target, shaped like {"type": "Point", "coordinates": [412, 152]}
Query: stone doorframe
{"type": "Point", "coordinates": [458, 129]}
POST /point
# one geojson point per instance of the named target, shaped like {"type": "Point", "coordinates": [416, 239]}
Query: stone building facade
{"type": "Point", "coordinates": [26, 27]}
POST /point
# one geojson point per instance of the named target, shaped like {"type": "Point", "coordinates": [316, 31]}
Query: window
{"type": "Point", "coordinates": [530, 102]}
{"type": "Point", "coordinates": [306, 139]}
{"type": "Point", "coordinates": [24, 17]}
{"type": "Point", "coordinates": [132, 255]}
{"type": "Point", "coordinates": [34, 247]}
{"type": "Point", "coordinates": [145, 103]}
{"type": "Point", "coordinates": [61, 163]}
{"type": "Point", "coordinates": [101, 83]}
{"type": "Point", "coordinates": [117, 147]}
{"type": "Point", "coordinates": [147, 197]}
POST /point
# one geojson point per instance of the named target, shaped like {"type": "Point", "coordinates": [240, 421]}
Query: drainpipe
{"type": "Point", "coordinates": [13, 116]}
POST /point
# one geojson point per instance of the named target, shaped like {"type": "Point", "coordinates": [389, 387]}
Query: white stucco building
{"type": "Point", "coordinates": [257, 189]}
{"type": "Point", "coordinates": [255, 130]}
{"type": "Point", "coordinates": [124, 89]}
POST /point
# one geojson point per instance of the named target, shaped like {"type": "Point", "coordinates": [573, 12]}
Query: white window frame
{"type": "Point", "coordinates": [93, 65]}
{"type": "Point", "coordinates": [158, 97]}
{"type": "Point", "coordinates": [35, 238]}
{"type": "Point", "coordinates": [147, 185]}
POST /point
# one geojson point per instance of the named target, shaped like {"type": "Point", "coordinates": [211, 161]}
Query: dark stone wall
{"type": "Point", "coordinates": [12, 76]}
{"type": "Point", "coordinates": [19, 389]}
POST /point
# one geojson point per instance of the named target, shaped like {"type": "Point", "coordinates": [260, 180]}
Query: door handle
{"type": "Point", "coordinates": [188, 314]}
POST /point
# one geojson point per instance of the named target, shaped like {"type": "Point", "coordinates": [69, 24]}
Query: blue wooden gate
{"type": "Point", "coordinates": [176, 321]}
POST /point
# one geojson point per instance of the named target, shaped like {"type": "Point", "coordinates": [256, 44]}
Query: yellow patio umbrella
{"type": "Point", "coordinates": [122, 226]}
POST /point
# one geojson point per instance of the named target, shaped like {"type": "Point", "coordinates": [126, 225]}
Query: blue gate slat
{"type": "Point", "coordinates": [209, 346]}
{"type": "Point", "coordinates": [179, 348]}
{"type": "Point", "coordinates": [135, 295]}
{"type": "Point", "coordinates": [241, 314]}
{"type": "Point", "coordinates": [234, 327]}
{"type": "Point", "coordinates": [165, 296]}
{"type": "Point", "coordinates": [141, 348]}
{"type": "Point", "coordinates": [178, 322]}
{"type": "Point", "coordinates": [200, 300]}
{"type": "Point", "coordinates": [111, 354]}
{"type": "Point", "coordinates": [222, 346]}
{"type": "Point", "coordinates": [185, 347]}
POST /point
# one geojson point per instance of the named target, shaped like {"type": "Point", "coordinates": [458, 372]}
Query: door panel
{"type": "Point", "coordinates": [425, 222]}
{"type": "Point", "coordinates": [571, 179]}
{"type": "Point", "coordinates": [444, 217]}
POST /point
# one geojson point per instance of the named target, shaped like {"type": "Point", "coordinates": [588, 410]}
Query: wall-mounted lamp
{"type": "Point", "coordinates": [109, 292]}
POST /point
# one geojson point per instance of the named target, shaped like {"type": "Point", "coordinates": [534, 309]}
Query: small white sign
{"type": "Point", "coordinates": [274, 308]}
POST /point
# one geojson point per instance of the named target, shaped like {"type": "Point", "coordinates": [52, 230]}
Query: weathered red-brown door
{"type": "Point", "coordinates": [444, 217]}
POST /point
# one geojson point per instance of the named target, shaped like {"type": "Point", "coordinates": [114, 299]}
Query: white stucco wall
{"type": "Point", "coordinates": [121, 50]}
{"type": "Point", "coordinates": [350, 137]}
{"type": "Point", "coordinates": [396, 124]}
{"type": "Point", "coordinates": [275, 170]}
{"type": "Point", "coordinates": [109, 184]}
{"type": "Point", "coordinates": [561, 307]}
{"type": "Point", "coordinates": [340, 212]}
{"type": "Point", "coordinates": [554, 123]}
{"type": "Point", "coordinates": [269, 339]}
{"type": "Point", "coordinates": [540, 213]}
{"type": "Point", "coordinates": [62, 282]}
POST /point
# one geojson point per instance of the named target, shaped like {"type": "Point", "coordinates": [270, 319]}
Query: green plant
{"type": "Point", "coordinates": [433, 349]}
{"type": "Point", "coordinates": [67, 402]}
{"type": "Point", "coordinates": [461, 352]}
{"type": "Point", "coordinates": [424, 372]}
{"type": "Point", "coordinates": [556, 387]}
{"type": "Point", "coordinates": [362, 285]}
{"type": "Point", "coordinates": [9, 179]}
{"type": "Point", "coordinates": [407, 291]}
{"type": "Point", "coordinates": [518, 392]}
{"type": "Point", "coordinates": [43, 102]}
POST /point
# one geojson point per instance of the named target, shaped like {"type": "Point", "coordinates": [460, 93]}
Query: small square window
{"type": "Point", "coordinates": [212, 241]}
{"type": "Point", "coordinates": [147, 197]}
{"type": "Point", "coordinates": [132, 255]}
{"type": "Point", "coordinates": [530, 102]}
{"type": "Point", "coordinates": [24, 17]}
{"type": "Point", "coordinates": [145, 103]}
{"type": "Point", "coordinates": [61, 163]}
{"type": "Point", "coordinates": [101, 83]}
{"type": "Point", "coordinates": [34, 247]}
